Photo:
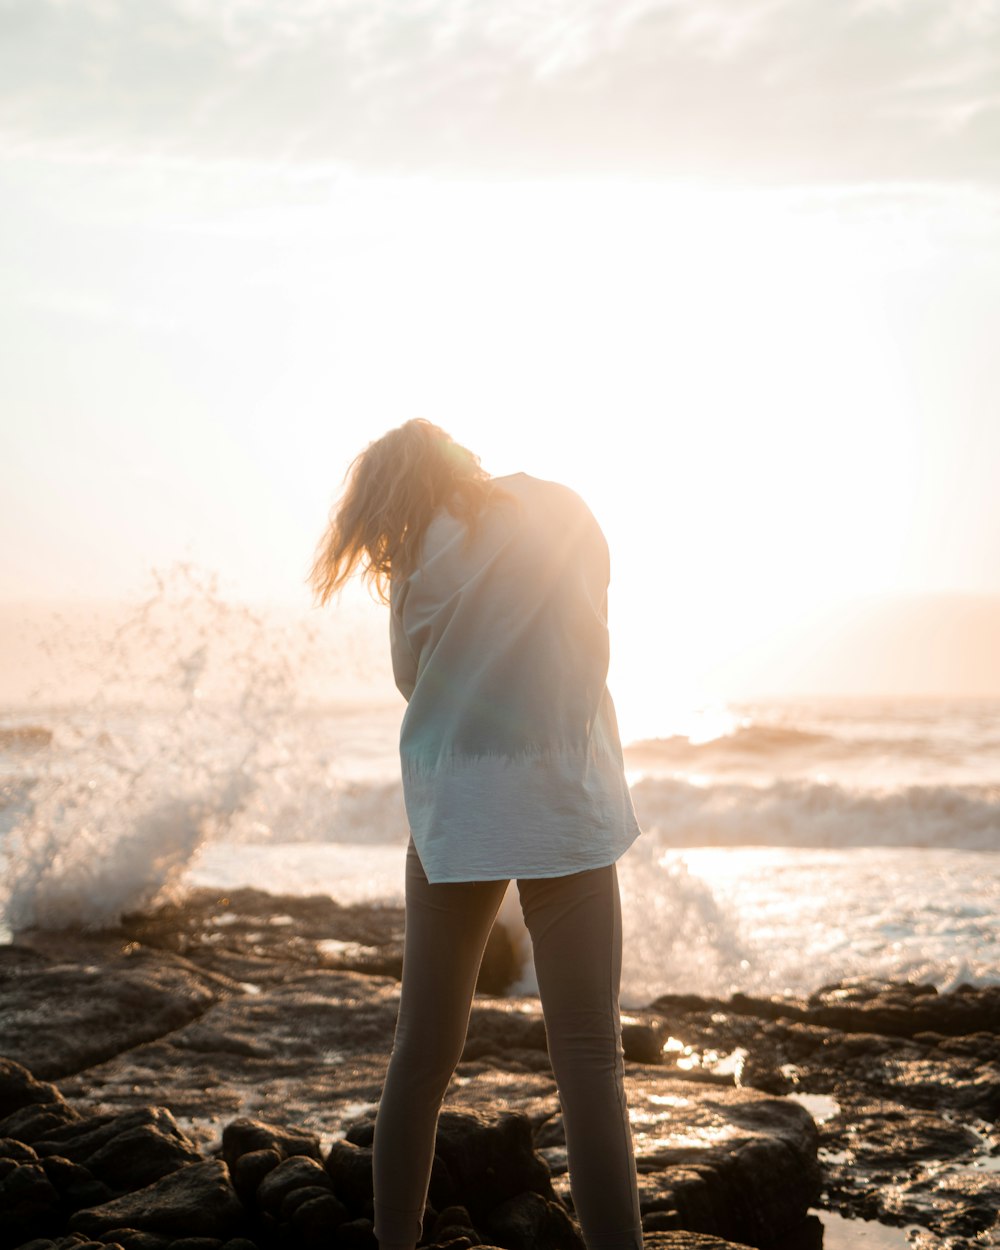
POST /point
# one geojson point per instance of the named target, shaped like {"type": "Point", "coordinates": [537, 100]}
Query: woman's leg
{"type": "Point", "coordinates": [446, 931]}
{"type": "Point", "coordinates": [575, 927]}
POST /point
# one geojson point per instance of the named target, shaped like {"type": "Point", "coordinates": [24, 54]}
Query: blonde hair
{"type": "Point", "coordinates": [391, 491]}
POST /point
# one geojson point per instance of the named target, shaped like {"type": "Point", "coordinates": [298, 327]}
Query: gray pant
{"type": "Point", "coordinates": [575, 927]}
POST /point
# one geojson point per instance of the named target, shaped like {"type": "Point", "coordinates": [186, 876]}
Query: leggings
{"type": "Point", "coordinates": [575, 927]}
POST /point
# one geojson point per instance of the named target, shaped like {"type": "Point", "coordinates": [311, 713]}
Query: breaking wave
{"type": "Point", "coordinates": [796, 812]}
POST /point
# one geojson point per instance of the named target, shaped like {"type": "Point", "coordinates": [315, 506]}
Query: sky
{"type": "Point", "coordinates": [730, 269]}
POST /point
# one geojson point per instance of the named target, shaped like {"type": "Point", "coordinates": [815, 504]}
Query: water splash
{"type": "Point", "coordinates": [117, 807]}
{"type": "Point", "coordinates": [675, 932]}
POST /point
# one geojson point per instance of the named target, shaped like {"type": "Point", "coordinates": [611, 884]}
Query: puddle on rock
{"type": "Point", "coordinates": [840, 1233]}
{"type": "Point", "coordinates": [820, 1106]}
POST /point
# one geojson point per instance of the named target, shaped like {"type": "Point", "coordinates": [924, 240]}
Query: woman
{"type": "Point", "coordinates": [512, 768]}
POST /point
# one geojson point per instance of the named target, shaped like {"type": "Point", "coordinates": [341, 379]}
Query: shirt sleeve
{"type": "Point", "coordinates": [404, 663]}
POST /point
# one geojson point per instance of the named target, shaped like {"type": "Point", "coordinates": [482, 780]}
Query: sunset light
{"type": "Point", "coordinates": [501, 528]}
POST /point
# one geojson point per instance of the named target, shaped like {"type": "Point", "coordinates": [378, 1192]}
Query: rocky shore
{"type": "Point", "coordinates": [205, 1078]}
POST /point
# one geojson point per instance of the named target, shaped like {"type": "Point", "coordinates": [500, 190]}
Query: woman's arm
{"type": "Point", "coordinates": [404, 662]}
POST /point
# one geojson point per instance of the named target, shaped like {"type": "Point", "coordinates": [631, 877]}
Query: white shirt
{"type": "Point", "coordinates": [511, 758]}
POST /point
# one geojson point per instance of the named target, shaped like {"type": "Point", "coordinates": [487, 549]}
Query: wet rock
{"type": "Point", "coordinates": [126, 1151]}
{"type": "Point", "coordinates": [18, 1086]}
{"type": "Point", "coordinates": [530, 1222]}
{"type": "Point", "coordinates": [904, 1009]}
{"type": "Point", "coordinates": [94, 1011]}
{"type": "Point", "coordinates": [888, 1008]}
{"type": "Point", "coordinates": [498, 1032]}
{"type": "Point", "coordinates": [37, 1120]}
{"type": "Point", "coordinates": [328, 1034]}
{"type": "Point", "coordinates": [486, 1160]}
{"type": "Point", "coordinates": [643, 1043]}
{"type": "Point", "coordinates": [730, 1162]}
{"type": "Point", "coordinates": [245, 1136]}
{"type": "Point", "coordinates": [959, 1204]}
{"type": "Point", "coordinates": [315, 931]}
{"type": "Point", "coordinates": [892, 1162]}
{"type": "Point", "coordinates": [197, 1200]}
{"type": "Point", "coordinates": [905, 1109]}
{"type": "Point", "coordinates": [304, 1046]}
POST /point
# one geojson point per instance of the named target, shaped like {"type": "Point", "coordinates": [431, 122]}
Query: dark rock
{"type": "Point", "coordinates": [245, 1136]}
{"type": "Point", "coordinates": [484, 1160]}
{"type": "Point", "coordinates": [249, 1170]}
{"type": "Point", "coordinates": [643, 1043]}
{"type": "Point", "coordinates": [349, 1167]}
{"type": "Point", "coordinates": [890, 1008]}
{"type": "Point", "coordinates": [530, 1222]}
{"type": "Point", "coordinates": [450, 1223]}
{"type": "Point", "coordinates": [94, 1011]}
{"type": "Point", "coordinates": [490, 1159]}
{"type": "Point", "coordinates": [728, 1162]}
{"type": "Point", "coordinates": [126, 1151]}
{"type": "Point", "coordinates": [17, 1150]}
{"type": "Point", "coordinates": [915, 1073]}
{"type": "Point", "coordinates": [660, 1221]}
{"type": "Point", "coordinates": [495, 1032]}
{"type": "Point", "coordinates": [196, 1200]}
{"type": "Point", "coordinates": [239, 1243]}
{"type": "Point", "coordinates": [905, 1009]}
{"type": "Point", "coordinates": [356, 1235]}
{"type": "Point", "coordinates": [501, 962]}
{"type": "Point", "coordinates": [688, 1241]}
{"type": "Point", "coordinates": [908, 1097]}
{"type": "Point", "coordinates": [295, 1198]}
{"type": "Point", "coordinates": [37, 1120]}
{"type": "Point", "coordinates": [76, 1185]}
{"type": "Point", "coordinates": [18, 1086]}
{"type": "Point", "coordinates": [294, 1173]}
{"type": "Point", "coordinates": [315, 1222]}
{"type": "Point", "coordinates": [29, 1204]}
{"type": "Point", "coordinates": [133, 1239]}
{"type": "Point", "coordinates": [196, 1243]}
{"type": "Point", "coordinates": [892, 1162]}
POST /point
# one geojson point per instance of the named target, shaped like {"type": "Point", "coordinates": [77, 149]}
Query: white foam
{"type": "Point", "coordinates": [798, 812]}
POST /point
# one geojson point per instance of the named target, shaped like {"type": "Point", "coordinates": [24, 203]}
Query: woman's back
{"type": "Point", "coordinates": [510, 750]}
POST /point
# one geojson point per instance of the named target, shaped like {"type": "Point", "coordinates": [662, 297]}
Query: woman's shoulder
{"type": "Point", "coordinates": [524, 484]}
{"type": "Point", "coordinates": [553, 500]}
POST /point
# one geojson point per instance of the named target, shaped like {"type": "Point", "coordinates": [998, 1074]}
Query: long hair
{"type": "Point", "coordinates": [391, 491]}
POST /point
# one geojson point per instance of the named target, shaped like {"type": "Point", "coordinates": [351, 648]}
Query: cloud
{"type": "Point", "coordinates": [764, 90]}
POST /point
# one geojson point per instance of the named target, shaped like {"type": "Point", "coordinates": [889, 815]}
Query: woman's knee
{"type": "Point", "coordinates": [425, 1060]}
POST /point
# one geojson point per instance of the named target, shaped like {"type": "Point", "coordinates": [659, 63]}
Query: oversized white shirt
{"type": "Point", "coordinates": [510, 752]}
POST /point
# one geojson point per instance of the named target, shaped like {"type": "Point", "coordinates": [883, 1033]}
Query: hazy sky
{"type": "Point", "coordinates": [730, 269]}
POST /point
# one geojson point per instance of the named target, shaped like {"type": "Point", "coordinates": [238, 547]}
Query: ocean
{"type": "Point", "coordinates": [787, 843]}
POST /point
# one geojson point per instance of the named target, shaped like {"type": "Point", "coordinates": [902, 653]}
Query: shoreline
{"type": "Point", "coordinates": [281, 1009]}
